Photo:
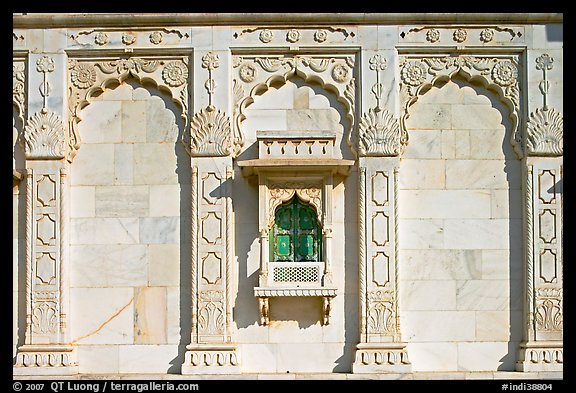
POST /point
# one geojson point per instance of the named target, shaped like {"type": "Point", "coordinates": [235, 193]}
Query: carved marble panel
{"type": "Point", "coordinates": [211, 268]}
{"type": "Point", "coordinates": [211, 191]}
{"type": "Point", "coordinates": [212, 228]}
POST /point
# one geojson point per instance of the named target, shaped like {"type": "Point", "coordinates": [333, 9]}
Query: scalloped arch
{"type": "Point", "coordinates": [473, 80]}
{"type": "Point", "coordinates": [308, 78]}
{"type": "Point", "coordinates": [111, 83]}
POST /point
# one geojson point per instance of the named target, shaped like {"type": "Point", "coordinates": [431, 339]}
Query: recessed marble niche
{"type": "Point", "coordinates": [129, 182]}
{"type": "Point", "coordinates": [460, 231]}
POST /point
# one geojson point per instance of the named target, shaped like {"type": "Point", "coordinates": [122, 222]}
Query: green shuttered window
{"type": "Point", "coordinates": [296, 234]}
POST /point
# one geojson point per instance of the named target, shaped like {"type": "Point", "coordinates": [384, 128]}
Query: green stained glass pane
{"type": "Point", "coordinates": [285, 218]}
{"type": "Point", "coordinates": [306, 219]}
{"type": "Point", "coordinates": [283, 245]}
{"type": "Point", "coordinates": [306, 245]}
{"type": "Point", "coordinates": [296, 233]}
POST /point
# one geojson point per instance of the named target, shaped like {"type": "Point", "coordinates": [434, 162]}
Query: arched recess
{"type": "Point", "coordinates": [255, 74]}
{"type": "Point", "coordinates": [89, 77]}
{"type": "Point", "coordinates": [461, 199]}
{"type": "Point", "coordinates": [499, 74]}
{"type": "Point", "coordinates": [145, 188]}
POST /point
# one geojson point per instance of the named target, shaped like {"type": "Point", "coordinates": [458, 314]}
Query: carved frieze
{"type": "Point", "coordinates": [309, 36]}
{"type": "Point", "coordinates": [101, 38]}
{"type": "Point", "coordinates": [419, 73]}
{"type": "Point", "coordinates": [462, 34]}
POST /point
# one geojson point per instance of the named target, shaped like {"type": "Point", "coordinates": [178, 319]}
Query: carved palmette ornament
{"type": "Point", "coordinates": [210, 133]}
{"type": "Point", "coordinates": [44, 317]}
{"type": "Point", "coordinates": [548, 313]}
{"type": "Point", "coordinates": [381, 315]}
{"type": "Point", "coordinates": [44, 137]}
{"type": "Point", "coordinates": [379, 133]}
{"type": "Point", "coordinates": [545, 132]}
{"type": "Point", "coordinates": [211, 315]}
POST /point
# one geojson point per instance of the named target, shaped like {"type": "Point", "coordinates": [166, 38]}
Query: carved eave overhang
{"type": "Point", "coordinates": [295, 152]}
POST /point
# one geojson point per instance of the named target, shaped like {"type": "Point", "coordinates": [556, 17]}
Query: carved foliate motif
{"type": "Point", "coordinates": [44, 137]}
{"type": "Point", "coordinates": [381, 315]}
{"type": "Point", "coordinates": [282, 192]}
{"type": "Point", "coordinates": [211, 316]}
{"type": "Point", "coordinates": [210, 134]}
{"type": "Point", "coordinates": [18, 79]}
{"type": "Point", "coordinates": [379, 133]}
{"type": "Point", "coordinates": [545, 133]}
{"type": "Point", "coordinates": [548, 315]}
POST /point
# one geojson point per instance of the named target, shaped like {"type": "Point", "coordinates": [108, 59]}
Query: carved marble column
{"type": "Point", "coordinates": [210, 143]}
{"type": "Point", "coordinates": [543, 348]}
{"type": "Point", "coordinates": [45, 143]}
{"type": "Point", "coordinates": [379, 145]}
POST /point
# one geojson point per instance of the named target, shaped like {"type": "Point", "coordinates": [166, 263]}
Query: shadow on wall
{"type": "Point", "coordinates": [555, 33]}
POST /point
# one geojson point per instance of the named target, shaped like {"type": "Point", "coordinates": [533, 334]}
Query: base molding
{"type": "Point", "coordinates": [46, 359]}
{"type": "Point", "coordinates": [211, 359]}
{"type": "Point", "coordinates": [389, 357]}
{"type": "Point", "coordinates": [541, 356]}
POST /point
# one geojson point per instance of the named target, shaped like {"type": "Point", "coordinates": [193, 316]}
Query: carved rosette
{"type": "Point", "coordinates": [44, 137]}
{"type": "Point", "coordinates": [254, 74]}
{"type": "Point", "coordinates": [545, 133]}
{"type": "Point", "coordinates": [278, 193]}
{"type": "Point", "coordinates": [88, 77]}
{"type": "Point", "coordinates": [210, 134]}
{"type": "Point", "coordinates": [379, 134]}
{"type": "Point", "coordinates": [499, 74]}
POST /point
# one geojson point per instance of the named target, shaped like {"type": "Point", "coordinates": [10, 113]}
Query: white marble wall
{"type": "Point", "coordinates": [460, 233]}
{"type": "Point", "coordinates": [460, 200]}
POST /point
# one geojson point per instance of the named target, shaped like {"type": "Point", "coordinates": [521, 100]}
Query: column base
{"type": "Point", "coordinates": [46, 359]}
{"type": "Point", "coordinates": [381, 358]}
{"type": "Point", "coordinates": [211, 359]}
{"type": "Point", "coordinates": [541, 356]}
